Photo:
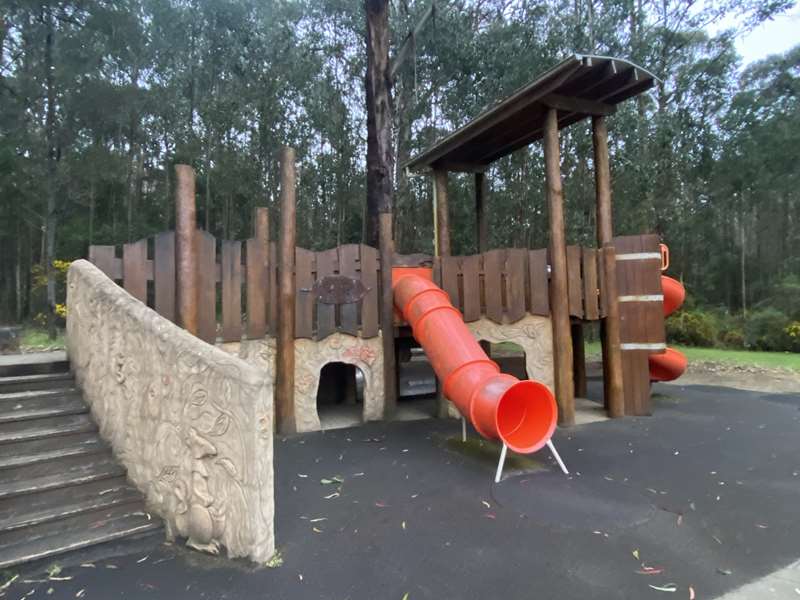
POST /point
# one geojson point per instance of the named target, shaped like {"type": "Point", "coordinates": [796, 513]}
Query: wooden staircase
{"type": "Point", "coordinates": [61, 488]}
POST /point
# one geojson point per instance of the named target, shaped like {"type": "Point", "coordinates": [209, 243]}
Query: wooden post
{"type": "Point", "coordinates": [559, 297]}
{"type": "Point", "coordinates": [481, 220]}
{"type": "Point", "coordinates": [284, 360]}
{"type": "Point", "coordinates": [613, 383]}
{"type": "Point", "coordinates": [261, 225]}
{"type": "Point", "coordinates": [442, 249]}
{"type": "Point", "coordinates": [578, 360]}
{"type": "Point", "coordinates": [186, 248]}
{"type": "Point", "coordinates": [386, 243]}
{"type": "Point", "coordinates": [613, 390]}
{"type": "Point", "coordinates": [442, 214]}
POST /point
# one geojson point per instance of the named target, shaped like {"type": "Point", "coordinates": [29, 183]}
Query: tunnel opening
{"type": "Point", "coordinates": [340, 396]}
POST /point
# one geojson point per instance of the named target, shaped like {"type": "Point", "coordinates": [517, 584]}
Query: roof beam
{"type": "Point", "coordinates": [578, 105]}
{"type": "Point", "coordinates": [492, 117]}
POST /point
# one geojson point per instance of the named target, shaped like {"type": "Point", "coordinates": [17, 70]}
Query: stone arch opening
{"type": "Point", "coordinates": [511, 358]}
{"type": "Point", "coordinates": [340, 395]}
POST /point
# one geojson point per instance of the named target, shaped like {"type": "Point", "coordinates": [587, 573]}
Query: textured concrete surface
{"type": "Point", "coordinates": [192, 424]}
{"type": "Point", "coordinates": [704, 495]}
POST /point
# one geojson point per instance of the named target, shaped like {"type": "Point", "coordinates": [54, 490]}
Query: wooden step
{"type": "Point", "coordinates": [47, 381]}
{"type": "Point", "coordinates": [36, 451]}
{"type": "Point", "coordinates": [25, 406]}
{"type": "Point", "coordinates": [65, 502]}
{"type": "Point", "coordinates": [21, 431]}
{"type": "Point", "coordinates": [53, 474]}
{"type": "Point", "coordinates": [72, 533]}
{"type": "Point", "coordinates": [33, 363]}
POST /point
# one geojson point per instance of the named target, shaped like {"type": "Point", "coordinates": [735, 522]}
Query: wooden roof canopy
{"type": "Point", "coordinates": [578, 87]}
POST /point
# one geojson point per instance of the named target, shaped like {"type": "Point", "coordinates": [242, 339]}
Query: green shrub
{"type": "Point", "coordinates": [768, 329]}
{"type": "Point", "coordinates": [692, 328]}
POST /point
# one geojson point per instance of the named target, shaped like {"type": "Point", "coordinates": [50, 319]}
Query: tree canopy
{"type": "Point", "coordinates": [99, 98]}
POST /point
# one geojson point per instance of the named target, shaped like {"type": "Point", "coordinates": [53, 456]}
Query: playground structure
{"type": "Point", "coordinates": [289, 312]}
{"type": "Point", "coordinates": [304, 309]}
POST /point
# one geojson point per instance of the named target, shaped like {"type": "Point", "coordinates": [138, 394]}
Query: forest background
{"type": "Point", "coordinates": [100, 98]}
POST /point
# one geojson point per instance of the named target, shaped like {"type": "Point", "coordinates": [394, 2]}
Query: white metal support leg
{"type": "Point", "coordinates": [463, 429]}
{"type": "Point", "coordinates": [500, 464]}
{"type": "Point", "coordinates": [557, 456]}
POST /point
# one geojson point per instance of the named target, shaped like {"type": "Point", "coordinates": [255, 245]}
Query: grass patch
{"type": "Point", "coordinates": [747, 358]}
{"type": "Point", "coordinates": [37, 339]}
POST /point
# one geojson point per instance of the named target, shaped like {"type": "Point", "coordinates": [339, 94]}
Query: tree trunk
{"type": "Point", "coordinates": [380, 156]}
{"type": "Point", "coordinates": [50, 220]}
{"type": "Point", "coordinates": [742, 263]}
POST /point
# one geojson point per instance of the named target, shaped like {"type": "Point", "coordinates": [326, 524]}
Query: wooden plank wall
{"type": "Point", "coordinates": [638, 262]}
{"type": "Point", "coordinates": [237, 285]}
{"type": "Point", "coordinates": [317, 320]}
{"type": "Point", "coordinates": [505, 284]}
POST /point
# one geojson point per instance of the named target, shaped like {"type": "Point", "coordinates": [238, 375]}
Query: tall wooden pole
{"type": "Point", "coordinates": [261, 224]}
{"type": "Point", "coordinates": [481, 218]}
{"type": "Point", "coordinates": [613, 388]}
{"type": "Point", "coordinates": [559, 298]}
{"type": "Point", "coordinates": [284, 360]}
{"type": "Point", "coordinates": [386, 243]}
{"type": "Point", "coordinates": [442, 249]}
{"type": "Point", "coordinates": [186, 248]}
{"type": "Point", "coordinates": [442, 214]}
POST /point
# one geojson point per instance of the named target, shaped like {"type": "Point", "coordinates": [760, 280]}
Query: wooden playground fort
{"type": "Point", "coordinates": [291, 311]}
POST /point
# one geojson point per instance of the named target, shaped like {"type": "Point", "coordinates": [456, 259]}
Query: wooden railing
{"type": "Point", "coordinates": [505, 284]}
{"type": "Point", "coordinates": [338, 289]}
{"type": "Point", "coordinates": [230, 271]}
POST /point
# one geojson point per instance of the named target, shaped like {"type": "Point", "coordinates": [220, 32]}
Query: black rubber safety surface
{"type": "Point", "coordinates": [705, 493]}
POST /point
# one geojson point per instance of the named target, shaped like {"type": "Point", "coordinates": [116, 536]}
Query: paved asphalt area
{"type": "Point", "coordinates": [702, 497]}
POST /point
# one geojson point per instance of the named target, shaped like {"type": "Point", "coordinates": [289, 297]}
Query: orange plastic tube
{"type": "Point", "coordinates": [522, 414]}
{"type": "Point", "coordinates": [672, 363]}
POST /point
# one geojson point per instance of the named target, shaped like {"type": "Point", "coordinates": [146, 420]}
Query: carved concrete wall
{"type": "Point", "coordinates": [309, 358]}
{"type": "Point", "coordinates": [533, 333]}
{"type": "Point", "coordinates": [192, 424]}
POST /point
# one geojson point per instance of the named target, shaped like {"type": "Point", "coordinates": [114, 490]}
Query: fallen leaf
{"type": "Point", "coordinates": [680, 520]}
{"type": "Point", "coordinates": [80, 593]}
{"type": "Point", "coordinates": [486, 504]}
{"type": "Point", "coordinates": [54, 570]}
{"type": "Point", "coordinates": [141, 560]}
{"type": "Point", "coordinates": [403, 525]}
{"type": "Point", "coordinates": [317, 530]}
{"type": "Point", "coordinates": [405, 596]}
{"type": "Point", "coordinates": [332, 480]}
{"type": "Point", "coordinates": [724, 571]}
{"type": "Point", "coordinates": [760, 526]}
{"type": "Point", "coordinates": [303, 475]}
{"type": "Point", "coordinates": [691, 593]}
{"type": "Point", "coordinates": [50, 591]}
{"type": "Point", "coordinates": [300, 576]}
{"type": "Point", "coordinates": [333, 495]}
{"type": "Point", "coordinates": [669, 587]}
{"type": "Point", "coordinates": [636, 554]}
{"type": "Point", "coordinates": [276, 560]}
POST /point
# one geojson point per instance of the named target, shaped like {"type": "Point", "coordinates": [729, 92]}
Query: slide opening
{"type": "Point", "coordinates": [526, 416]}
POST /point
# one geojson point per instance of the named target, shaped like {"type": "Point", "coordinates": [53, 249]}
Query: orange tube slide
{"type": "Point", "coordinates": [672, 363]}
{"type": "Point", "coordinates": [522, 414]}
